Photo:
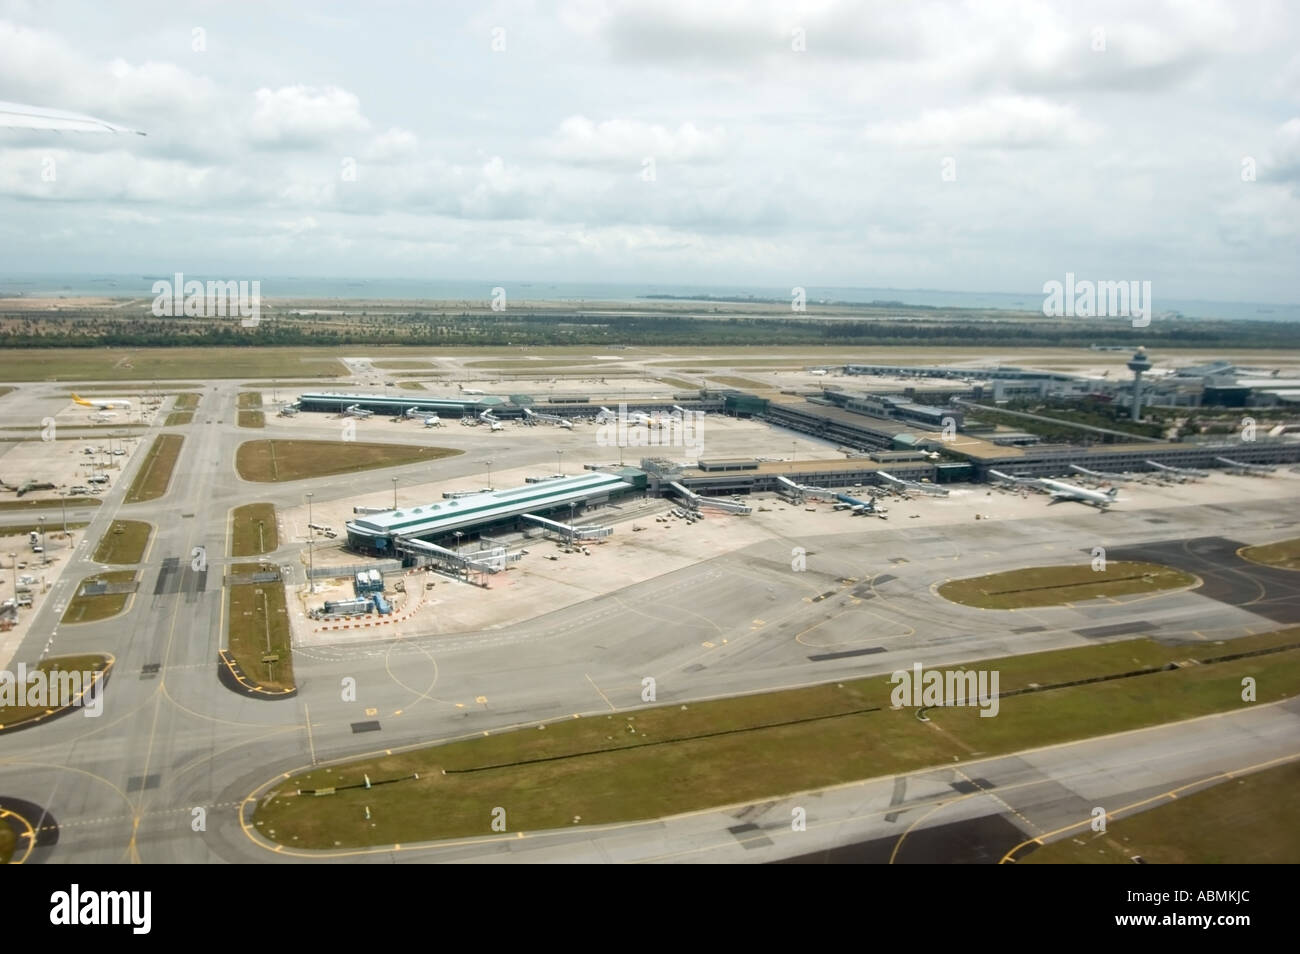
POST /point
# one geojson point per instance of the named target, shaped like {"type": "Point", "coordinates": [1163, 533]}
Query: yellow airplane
{"type": "Point", "coordinates": [103, 404]}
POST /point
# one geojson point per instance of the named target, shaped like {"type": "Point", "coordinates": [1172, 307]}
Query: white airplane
{"type": "Point", "coordinates": [818, 371]}
{"type": "Point", "coordinates": [469, 391]}
{"type": "Point", "coordinates": [567, 425]}
{"type": "Point", "coordinates": [606, 416]}
{"type": "Point", "coordinates": [104, 404]}
{"type": "Point", "coordinates": [496, 425]}
{"type": "Point", "coordinates": [1063, 491]}
{"type": "Point", "coordinates": [20, 116]}
{"type": "Point", "coordinates": [433, 421]}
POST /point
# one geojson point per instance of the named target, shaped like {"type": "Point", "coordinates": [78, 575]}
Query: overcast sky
{"type": "Point", "coordinates": [1108, 140]}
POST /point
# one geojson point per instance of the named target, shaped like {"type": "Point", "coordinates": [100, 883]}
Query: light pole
{"type": "Point", "coordinates": [458, 536]}
{"type": "Point", "coordinates": [489, 470]}
{"type": "Point", "coordinates": [45, 557]}
{"type": "Point", "coordinates": [63, 500]}
{"type": "Point", "coordinates": [13, 562]}
{"type": "Point", "coordinates": [394, 493]}
{"type": "Point", "coordinates": [311, 536]}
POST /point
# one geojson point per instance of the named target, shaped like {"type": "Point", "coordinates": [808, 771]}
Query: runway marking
{"type": "Point", "coordinates": [311, 743]}
{"type": "Point", "coordinates": [602, 695]}
{"type": "Point", "coordinates": [1171, 794]}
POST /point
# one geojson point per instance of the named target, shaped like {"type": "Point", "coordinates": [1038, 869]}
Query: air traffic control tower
{"type": "Point", "coordinates": [1137, 364]}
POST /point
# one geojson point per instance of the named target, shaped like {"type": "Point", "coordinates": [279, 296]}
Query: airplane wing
{"type": "Point", "coordinates": [20, 116]}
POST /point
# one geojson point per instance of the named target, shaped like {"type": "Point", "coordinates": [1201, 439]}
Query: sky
{"type": "Point", "coordinates": [965, 146]}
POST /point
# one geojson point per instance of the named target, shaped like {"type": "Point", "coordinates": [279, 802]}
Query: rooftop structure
{"type": "Point", "coordinates": [472, 513]}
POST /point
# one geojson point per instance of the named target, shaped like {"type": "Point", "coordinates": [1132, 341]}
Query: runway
{"type": "Point", "coordinates": [174, 747]}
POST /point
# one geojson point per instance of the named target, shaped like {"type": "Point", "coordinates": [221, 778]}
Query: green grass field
{"type": "Point", "coordinates": [146, 364]}
{"type": "Point", "coordinates": [1057, 585]}
{"type": "Point", "coordinates": [124, 541]}
{"type": "Point", "coordinates": [249, 400]}
{"type": "Point", "coordinates": [87, 609]}
{"type": "Point", "coordinates": [268, 461]}
{"type": "Point", "coordinates": [615, 767]}
{"type": "Point", "coordinates": [258, 626]}
{"type": "Point", "coordinates": [1241, 821]}
{"type": "Point", "coordinates": [1284, 553]}
{"type": "Point", "coordinates": [33, 503]}
{"type": "Point", "coordinates": [401, 364]}
{"type": "Point", "coordinates": [91, 662]}
{"type": "Point", "coordinates": [410, 385]}
{"type": "Point", "coordinates": [245, 538]}
{"type": "Point", "coordinates": [7, 841]}
{"type": "Point", "coordinates": [22, 529]}
{"type": "Point", "coordinates": [251, 418]}
{"type": "Point", "coordinates": [680, 383]}
{"type": "Point", "coordinates": [735, 382]}
{"type": "Point", "coordinates": [186, 401]}
{"type": "Point", "coordinates": [179, 419]}
{"type": "Point", "coordinates": [156, 471]}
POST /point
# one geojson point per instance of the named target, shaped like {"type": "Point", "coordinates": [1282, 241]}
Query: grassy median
{"type": "Point", "coordinates": [156, 470]}
{"type": "Point", "coordinates": [258, 628]}
{"type": "Point", "coordinates": [90, 662]}
{"type": "Point", "coordinates": [1241, 821]}
{"type": "Point", "coordinates": [123, 542]}
{"type": "Point", "coordinates": [650, 763]}
{"type": "Point", "coordinates": [268, 461]}
{"type": "Point", "coordinates": [89, 609]}
{"type": "Point", "coordinates": [1284, 554]}
{"type": "Point", "coordinates": [246, 537]}
{"type": "Point", "coordinates": [1057, 585]}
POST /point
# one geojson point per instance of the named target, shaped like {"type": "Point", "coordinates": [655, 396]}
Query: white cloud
{"type": "Point", "coordinates": [304, 115]}
{"type": "Point", "coordinates": [1009, 122]}
{"type": "Point", "coordinates": [579, 139]}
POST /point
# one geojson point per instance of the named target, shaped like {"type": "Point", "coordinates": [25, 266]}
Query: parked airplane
{"type": "Point", "coordinates": [469, 391]}
{"type": "Point", "coordinates": [103, 404]}
{"type": "Point", "coordinates": [1063, 491]}
{"type": "Point", "coordinates": [496, 425]}
{"type": "Point", "coordinates": [433, 421]}
{"type": "Point", "coordinates": [818, 371]}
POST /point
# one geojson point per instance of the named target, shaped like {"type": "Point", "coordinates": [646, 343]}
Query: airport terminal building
{"type": "Point", "coordinates": [471, 515]}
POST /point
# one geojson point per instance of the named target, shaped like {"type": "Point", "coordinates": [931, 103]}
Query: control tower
{"type": "Point", "coordinates": [1137, 364]}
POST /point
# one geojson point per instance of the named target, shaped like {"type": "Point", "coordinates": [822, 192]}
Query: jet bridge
{"type": "Point", "coordinates": [930, 489]}
{"type": "Point", "coordinates": [569, 531]}
{"type": "Point", "coordinates": [483, 561]}
{"type": "Point", "coordinates": [1180, 471]}
{"type": "Point", "coordinates": [1257, 470]}
{"type": "Point", "coordinates": [695, 501]}
{"type": "Point", "coordinates": [1098, 474]}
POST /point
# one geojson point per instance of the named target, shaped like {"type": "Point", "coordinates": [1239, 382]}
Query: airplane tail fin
{"type": "Point", "coordinates": [1112, 493]}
